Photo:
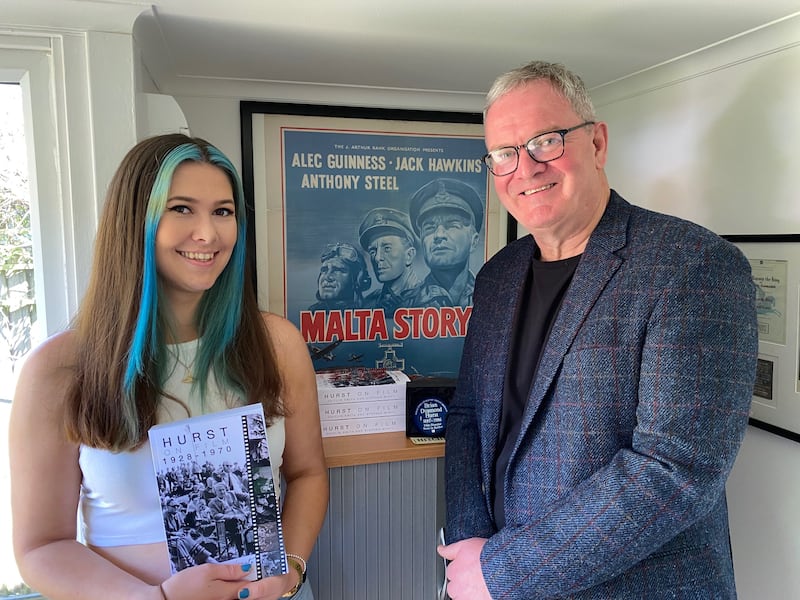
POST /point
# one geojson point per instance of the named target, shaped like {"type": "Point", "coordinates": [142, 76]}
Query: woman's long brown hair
{"type": "Point", "coordinates": [98, 412]}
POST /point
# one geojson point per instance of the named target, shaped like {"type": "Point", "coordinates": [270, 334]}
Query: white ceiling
{"type": "Point", "coordinates": [455, 46]}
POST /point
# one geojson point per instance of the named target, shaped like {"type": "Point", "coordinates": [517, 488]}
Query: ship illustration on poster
{"type": "Point", "coordinates": [384, 233]}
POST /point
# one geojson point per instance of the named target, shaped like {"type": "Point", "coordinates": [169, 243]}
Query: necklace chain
{"type": "Point", "coordinates": [188, 376]}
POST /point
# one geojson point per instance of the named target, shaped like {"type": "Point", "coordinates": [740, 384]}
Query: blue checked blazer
{"type": "Point", "coordinates": [616, 486]}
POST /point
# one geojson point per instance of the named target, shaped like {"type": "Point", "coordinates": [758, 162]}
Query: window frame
{"type": "Point", "coordinates": [80, 119]}
{"type": "Point", "coordinates": [28, 62]}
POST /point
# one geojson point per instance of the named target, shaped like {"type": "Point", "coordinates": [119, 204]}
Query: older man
{"type": "Point", "coordinates": [605, 381]}
{"type": "Point", "coordinates": [386, 235]}
{"type": "Point", "coordinates": [447, 215]}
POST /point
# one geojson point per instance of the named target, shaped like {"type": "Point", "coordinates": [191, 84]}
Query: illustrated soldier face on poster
{"type": "Point", "coordinates": [383, 236]}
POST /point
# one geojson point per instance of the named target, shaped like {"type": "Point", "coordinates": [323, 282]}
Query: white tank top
{"type": "Point", "coordinates": [119, 500]}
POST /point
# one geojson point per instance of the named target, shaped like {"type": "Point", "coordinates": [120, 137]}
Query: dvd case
{"type": "Point", "coordinates": [217, 491]}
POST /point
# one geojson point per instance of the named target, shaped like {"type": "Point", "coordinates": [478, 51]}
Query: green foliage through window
{"type": "Point", "coordinates": [17, 301]}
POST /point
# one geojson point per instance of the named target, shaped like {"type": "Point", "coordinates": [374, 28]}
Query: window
{"type": "Point", "coordinates": [75, 130]}
{"type": "Point", "coordinates": [17, 298]}
{"type": "Point", "coordinates": [32, 248]}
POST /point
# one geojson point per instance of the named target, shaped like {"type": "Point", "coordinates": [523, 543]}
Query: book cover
{"type": "Point", "coordinates": [217, 491]}
{"type": "Point", "coordinates": [362, 426]}
{"type": "Point", "coordinates": [360, 400]}
{"type": "Point", "coordinates": [361, 410]}
{"type": "Point", "coordinates": [360, 384]}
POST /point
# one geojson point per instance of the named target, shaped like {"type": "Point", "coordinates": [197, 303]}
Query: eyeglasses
{"type": "Point", "coordinates": [542, 148]}
{"type": "Point", "coordinates": [344, 250]}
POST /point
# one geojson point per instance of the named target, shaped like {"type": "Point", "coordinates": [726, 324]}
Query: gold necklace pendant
{"type": "Point", "coordinates": [187, 375]}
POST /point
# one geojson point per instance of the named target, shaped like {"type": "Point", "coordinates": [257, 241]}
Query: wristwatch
{"type": "Point", "coordinates": [299, 565]}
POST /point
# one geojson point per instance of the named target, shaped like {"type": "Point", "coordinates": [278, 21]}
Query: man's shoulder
{"type": "Point", "coordinates": [430, 293]}
{"type": "Point", "coordinates": [651, 231]}
{"type": "Point", "coordinates": [332, 305]}
{"type": "Point", "coordinates": [372, 296]}
{"type": "Point", "coordinates": [649, 222]}
{"type": "Point", "coordinates": [668, 235]}
{"type": "Point", "coordinates": [410, 292]}
{"type": "Point", "coordinates": [517, 252]}
{"type": "Point", "coordinates": [652, 242]}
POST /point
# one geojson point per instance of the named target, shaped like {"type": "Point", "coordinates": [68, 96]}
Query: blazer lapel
{"type": "Point", "coordinates": [500, 310]}
{"type": "Point", "coordinates": [595, 270]}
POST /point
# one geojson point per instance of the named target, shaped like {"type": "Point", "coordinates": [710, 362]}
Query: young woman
{"type": "Point", "coordinates": [169, 328]}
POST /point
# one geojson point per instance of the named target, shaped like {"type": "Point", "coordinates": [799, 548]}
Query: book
{"type": "Point", "coordinates": [217, 491]}
{"type": "Point", "coordinates": [361, 400]}
{"type": "Point", "coordinates": [360, 384]}
{"type": "Point", "coordinates": [362, 426]}
{"type": "Point", "coordinates": [361, 410]}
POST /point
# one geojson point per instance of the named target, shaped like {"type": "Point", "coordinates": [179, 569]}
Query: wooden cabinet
{"type": "Point", "coordinates": [380, 534]}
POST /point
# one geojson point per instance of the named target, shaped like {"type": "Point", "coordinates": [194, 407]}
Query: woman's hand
{"type": "Point", "coordinates": [225, 582]}
{"type": "Point", "coordinates": [208, 582]}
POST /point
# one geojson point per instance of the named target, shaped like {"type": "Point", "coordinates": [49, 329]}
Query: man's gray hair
{"type": "Point", "coordinates": [564, 81]}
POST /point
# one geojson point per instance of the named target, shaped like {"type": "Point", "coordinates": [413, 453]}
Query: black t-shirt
{"type": "Point", "coordinates": [545, 286]}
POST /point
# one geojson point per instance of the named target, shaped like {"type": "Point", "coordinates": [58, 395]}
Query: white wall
{"type": "Point", "coordinates": [78, 89]}
{"type": "Point", "coordinates": [763, 499]}
{"type": "Point", "coordinates": [215, 114]}
{"type": "Point", "coordinates": [713, 138]}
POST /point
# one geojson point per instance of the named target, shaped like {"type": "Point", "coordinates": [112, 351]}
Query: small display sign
{"type": "Point", "coordinates": [427, 402]}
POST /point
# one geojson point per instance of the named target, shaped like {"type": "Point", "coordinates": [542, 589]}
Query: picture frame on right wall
{"type": "Point", "coordinates": [775, 263]}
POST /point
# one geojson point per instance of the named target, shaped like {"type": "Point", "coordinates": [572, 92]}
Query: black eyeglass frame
{"type": "Point", "coordinates": [526, 145]}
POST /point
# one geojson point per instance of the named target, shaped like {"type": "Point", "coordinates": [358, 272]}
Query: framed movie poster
{"type": "Point", "coordinates": [369, 226]}
{"type": "Point", "coordinates": [775, 264]}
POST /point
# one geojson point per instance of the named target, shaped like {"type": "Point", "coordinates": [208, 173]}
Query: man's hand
{"type": "Point", "coordinates": [464, 575]}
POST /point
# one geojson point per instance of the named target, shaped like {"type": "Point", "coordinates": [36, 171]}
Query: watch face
{"type": "Point", "coordinates": [430, 416]}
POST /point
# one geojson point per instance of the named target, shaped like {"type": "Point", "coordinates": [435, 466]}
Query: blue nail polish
{"type": "Point", "coordinates": [245, 593]}
{"type": "Point", "coordinates": [246, 568]}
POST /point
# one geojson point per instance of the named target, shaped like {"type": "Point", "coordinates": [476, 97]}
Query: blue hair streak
{"type": "Point", "coordinates": [219, 312]}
